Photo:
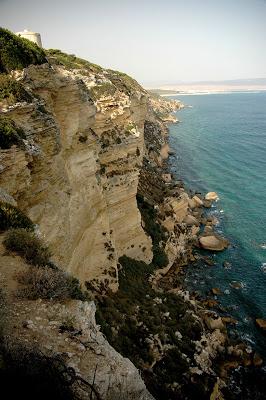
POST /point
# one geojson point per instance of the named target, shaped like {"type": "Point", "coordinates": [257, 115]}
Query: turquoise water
{"type": "Point", "coordinates": [220, 146]}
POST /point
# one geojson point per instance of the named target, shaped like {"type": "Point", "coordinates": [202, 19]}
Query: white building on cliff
{"type": "Point", "coordinates": [33, 36]}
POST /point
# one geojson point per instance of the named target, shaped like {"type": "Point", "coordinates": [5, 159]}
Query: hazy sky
{"type": "Point", "coordinates": [152, 40]}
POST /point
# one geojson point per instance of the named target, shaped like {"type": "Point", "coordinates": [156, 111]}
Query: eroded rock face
{"type": "Point", "coordinates": [77, 177]}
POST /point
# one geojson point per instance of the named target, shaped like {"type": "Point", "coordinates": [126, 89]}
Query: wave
{"type": "Point", "coordinates": [263, 267]}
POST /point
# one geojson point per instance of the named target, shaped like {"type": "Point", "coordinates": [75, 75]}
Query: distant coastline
{"type": "Point", "coordinates": [211, 87]}
{"type": "Point", "coordinates": [201, 93]}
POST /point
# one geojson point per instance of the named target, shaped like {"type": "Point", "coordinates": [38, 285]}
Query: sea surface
{"type": "Point", "coordinates": [220, 145]}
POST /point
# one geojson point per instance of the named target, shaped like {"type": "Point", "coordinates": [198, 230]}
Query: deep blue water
{"type": "Point", "coordinates": [220, 146]}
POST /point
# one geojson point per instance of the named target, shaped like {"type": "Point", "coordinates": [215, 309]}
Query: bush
{"type": "Point", "coordinates": [160, 258]}
{"type": "Point", "coordinates": [105, 89]}
{"type": "Point", "coordinates": [28, 246]}
{"type": "Point", "coordinates": [74, 288]}
{"type": "Point", "coordinates": [12, 91]}
{"type": "Point", "coordinates": [71, 61]}
{"type": "Point", "coordinates": [124, 82]}
{"type": "Point", "coordinates": [12, 217]}
{"type": "Point", "coordinates": [10, 134]}
{"type": "Point", "coordinates": [48, 283]}
{"type": "Point", "coordinates": [17, 52]}
{"type": "Point", "coordinates": [155, 230]}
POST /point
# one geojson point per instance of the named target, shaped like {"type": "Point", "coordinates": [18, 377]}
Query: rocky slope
{"type": "Point", "coordinates": [67, 329]}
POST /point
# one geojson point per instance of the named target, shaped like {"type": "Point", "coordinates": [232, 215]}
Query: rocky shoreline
{"type": "Point", "coordinates": [240, 356]}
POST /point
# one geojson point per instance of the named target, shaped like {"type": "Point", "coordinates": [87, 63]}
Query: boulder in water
{"type": "Point", "coordinates": [213, 242]}
{"type": "Point", "coordinates": [212, 196]}
{"type": "Point", "coordinates": [192, 204]}
{"type": "Point", "coordinates": [190, 220]}
{"type": "Point", "coordinates": [198, 201]}
{"type": "Point", "coordinates": [229, 320]}
{"type": "Point", "coordinates": [236, 285]}
{"type": "Point", "coordinates": [213, 321]}
{"type": "Point", "coordinates": [216, 291]}
{"type": "Point", "coordinates": [207, 203]}
{"type": "Point", "coordinates": [261, 323]}
{"type": "Point", "coordinates": [227, 264]}
{"type": "Point", "coordinates": [209, 261]}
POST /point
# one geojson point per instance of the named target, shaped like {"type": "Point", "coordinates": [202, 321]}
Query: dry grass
{"type": "Point", "coordinates": [43, 283]}
{"type": "Point", "coordinates": [48, 283]}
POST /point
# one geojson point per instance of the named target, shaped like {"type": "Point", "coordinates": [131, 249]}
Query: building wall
{"type": "Point", "coordinates": [34, 37]}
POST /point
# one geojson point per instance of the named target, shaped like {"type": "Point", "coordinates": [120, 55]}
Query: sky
{"type": "Point", "coordinates": [155, 41]}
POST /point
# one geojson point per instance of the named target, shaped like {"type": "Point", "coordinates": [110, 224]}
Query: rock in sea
{"type": "Point", "coordinates": [198, 201]}
{"type": "Point", "coordinates": [261, 323]}
{"type": "Point", "coordinates": [212, 196]}
{"type": "Point", "coordinates": [213, 243]}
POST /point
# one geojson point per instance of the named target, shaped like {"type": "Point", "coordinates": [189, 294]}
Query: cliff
{"type": "Point", "coordinates": [72, 147]}
{"type": "Point", "coordinates": [77, 176]}
{"type": "Point", "coordinates": [84, 157]}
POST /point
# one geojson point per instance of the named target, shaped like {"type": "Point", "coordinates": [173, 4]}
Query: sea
{"type": "Point", "coordinates": [220, 145]}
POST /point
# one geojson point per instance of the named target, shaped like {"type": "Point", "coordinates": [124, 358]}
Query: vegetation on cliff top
{"type": "Point", "coordinates": [17, 52]}
{"type": "Point", "coordinates": [12, 91]}
{"type": "Point", "coordinates": [119, 80]}
{"type": "Point", "coordinates": [124, 82]}
{"type": "Point", "coordinates": [70, 61]}
{"type": "Point", "coordinates": [10, 133]}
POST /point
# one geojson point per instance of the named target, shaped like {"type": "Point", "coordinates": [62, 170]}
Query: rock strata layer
{"type": "Point", "coordinates": [77, 175]}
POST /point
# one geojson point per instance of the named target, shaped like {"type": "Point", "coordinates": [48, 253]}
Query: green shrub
{"type": "Point", "coordinates": [10, 134]}
{"type": "Point", "coordinates": [12, 217]}
{"type": "Point", "coordinates": [71, 61]}
{"type": "Point", "coordinates": [160, 258]}
{"type": "Point", "coordinates": [17, 52]}
{"type": "Point", "coordinates": [124, 82]}
{"type": "Point", "coordinates": [105, 89]}
{"type": "Point", "coordinates": [28, 246]}
{"type": "Point", "coordinates": [74, 289]}
{"type": "Point", "coordinates": [154, 230]}
{"type": "Point", "coordinates": [12, 91]}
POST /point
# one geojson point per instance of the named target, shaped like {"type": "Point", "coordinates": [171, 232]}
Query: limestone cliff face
{"type": "Point", "coordinates": [77, 176]}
